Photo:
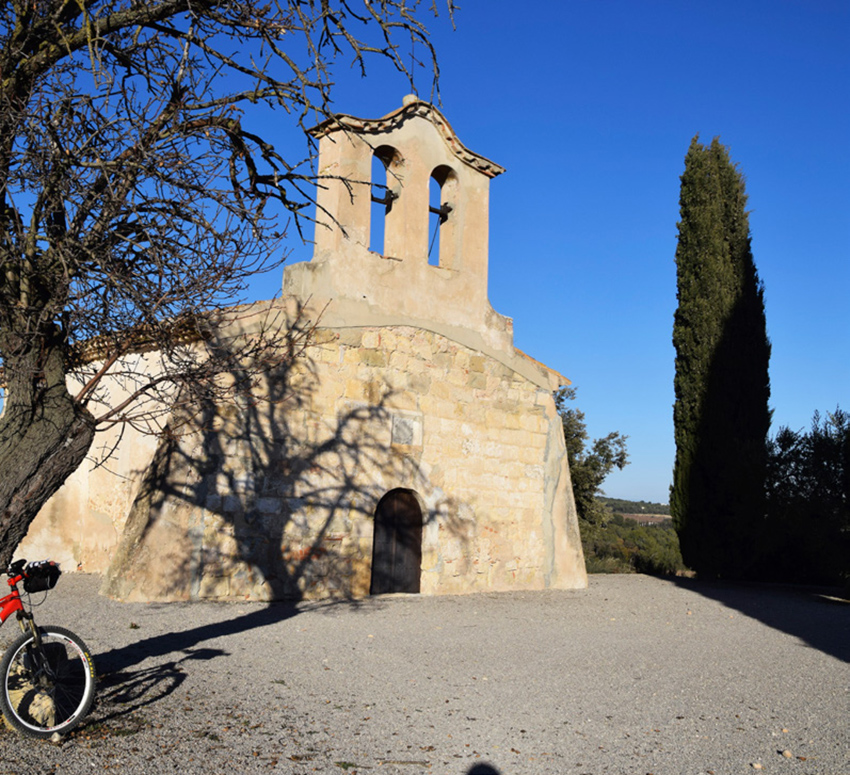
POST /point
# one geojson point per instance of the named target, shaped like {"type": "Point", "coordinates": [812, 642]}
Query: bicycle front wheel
{"type": "Point", "coordinates": [47, 688]}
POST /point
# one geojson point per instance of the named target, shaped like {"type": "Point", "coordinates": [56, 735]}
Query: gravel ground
{"type": "Point", "coordinates": [635, 675]}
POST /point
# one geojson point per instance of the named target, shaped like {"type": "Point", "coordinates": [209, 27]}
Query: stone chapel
{"type": "Point", "coordinates": [410, 449]}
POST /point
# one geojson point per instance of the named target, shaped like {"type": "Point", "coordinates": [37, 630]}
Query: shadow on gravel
{"type": "Point", "coordinates": [820, 621]}
{"type": "Point", "coordinates": [124, 690]}
{"type": "Point", "coordinates": [185, 640]}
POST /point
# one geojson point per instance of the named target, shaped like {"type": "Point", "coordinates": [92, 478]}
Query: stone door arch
{"type": "Point", "coordinates": [397, 543]}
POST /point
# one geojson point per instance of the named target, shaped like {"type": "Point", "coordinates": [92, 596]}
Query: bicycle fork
{"type": "Point", "coordinates": [35, 661]}
{"type": "Point", "coordinates": [27, 624]}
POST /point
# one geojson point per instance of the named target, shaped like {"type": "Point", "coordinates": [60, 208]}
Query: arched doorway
{"type": "Point", "coordinates": [397, 543]}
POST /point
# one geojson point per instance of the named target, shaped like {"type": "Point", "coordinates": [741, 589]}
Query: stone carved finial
{"type": "Point", "coordinates": [409, 99]}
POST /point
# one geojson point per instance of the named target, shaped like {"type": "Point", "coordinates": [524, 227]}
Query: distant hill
{"type": "Point", "coordinates": [619, 506]}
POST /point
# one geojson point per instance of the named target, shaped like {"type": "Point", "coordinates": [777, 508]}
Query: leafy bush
{"type": "Point", "coordinates": [623, 546]}
{"type": "Point", "coordinates": [611, 543]}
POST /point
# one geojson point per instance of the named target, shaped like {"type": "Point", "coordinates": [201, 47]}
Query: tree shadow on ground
{"type": "Point", "coordinates": [125, 685]}
{"type": "Point", "coordinates": [188, 641]}
{"type": "Point", "coordinates": [820, 620]}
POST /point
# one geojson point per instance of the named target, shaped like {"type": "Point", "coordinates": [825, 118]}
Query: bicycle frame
{"type": "Point", "coordinates": [12, 604]}
{"type": "Point", "coordinates": [47, 676]}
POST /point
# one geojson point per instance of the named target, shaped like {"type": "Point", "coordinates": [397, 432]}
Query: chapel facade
{"type": "Point", "coordinates": [409, 448]}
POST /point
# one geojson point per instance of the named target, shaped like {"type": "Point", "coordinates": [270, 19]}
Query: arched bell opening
{"type": "Point", "coordinates": [442, 202]}
{"type": "Point", "coordinates": [386, 163]}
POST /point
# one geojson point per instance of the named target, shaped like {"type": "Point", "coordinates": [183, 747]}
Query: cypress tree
{"type": "Point", "coordinates": [721, 417]}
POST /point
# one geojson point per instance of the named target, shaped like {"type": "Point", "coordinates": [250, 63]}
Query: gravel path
{"type": "Point", "coordinates": [635, 675]}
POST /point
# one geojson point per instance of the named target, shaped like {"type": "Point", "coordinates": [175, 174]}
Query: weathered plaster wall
{"type": "Point", "coordinates": [81, 526]}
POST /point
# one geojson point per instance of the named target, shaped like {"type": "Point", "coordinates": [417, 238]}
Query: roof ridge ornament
{"type": "Point", "coordinates": [411, 106]}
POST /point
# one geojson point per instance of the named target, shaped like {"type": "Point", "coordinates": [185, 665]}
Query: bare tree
{"type": "Point", "coordinates": [135, 203]}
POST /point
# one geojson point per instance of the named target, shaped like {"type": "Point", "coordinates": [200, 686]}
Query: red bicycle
{"type": "Point", "coordinates": [47, 672]}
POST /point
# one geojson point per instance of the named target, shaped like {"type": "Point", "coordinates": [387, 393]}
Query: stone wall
{"type": "Point", "coordinates": [411, 384]}
{"type": "Point", "coordinates": [277, 499]}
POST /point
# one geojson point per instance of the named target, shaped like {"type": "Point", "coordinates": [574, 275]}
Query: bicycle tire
{"type": "Point", "coordinates": [50, 690]}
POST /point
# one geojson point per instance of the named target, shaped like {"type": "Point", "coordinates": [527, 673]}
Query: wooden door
{"type": "Point", "coordinates": [397, 544]}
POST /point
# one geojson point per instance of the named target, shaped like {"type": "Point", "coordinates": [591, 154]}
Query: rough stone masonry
{"type": "Point", "coordinates": [411, 448]}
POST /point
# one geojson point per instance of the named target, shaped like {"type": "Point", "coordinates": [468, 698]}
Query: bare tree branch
{"type": "Point", "coordinates": [135, 203]}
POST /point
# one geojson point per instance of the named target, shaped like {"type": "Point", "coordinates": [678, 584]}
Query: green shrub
{"type": "Point", "coordinates": [622, 546]}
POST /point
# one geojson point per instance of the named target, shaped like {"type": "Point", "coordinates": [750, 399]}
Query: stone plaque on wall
{"type": "Point", "coordinates": [407, 430]}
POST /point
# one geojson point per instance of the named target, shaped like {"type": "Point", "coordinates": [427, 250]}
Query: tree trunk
{"type": "Point", "coordinates": [44, 437]}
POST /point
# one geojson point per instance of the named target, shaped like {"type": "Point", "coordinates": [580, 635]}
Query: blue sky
{"type": "Point", "coordinates": [591, 106]}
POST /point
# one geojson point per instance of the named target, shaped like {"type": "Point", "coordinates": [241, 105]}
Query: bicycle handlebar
{"type": "Point", "coordinates": [16, 568]}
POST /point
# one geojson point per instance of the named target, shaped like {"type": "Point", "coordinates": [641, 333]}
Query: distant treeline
{"type": "Point", "coordinates": [623, 546]}
{"type": "Point", "coordinates": [618, 506]}
{"type": "Point", "coordinates": [613, 543]}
